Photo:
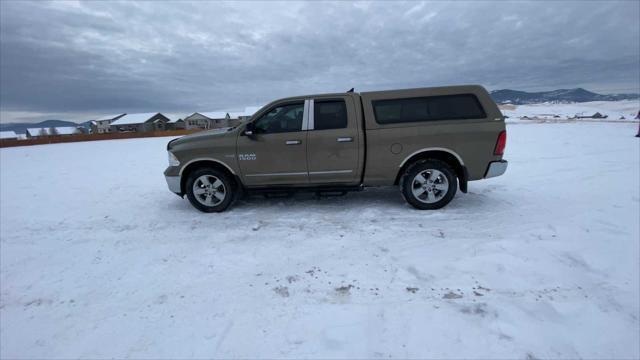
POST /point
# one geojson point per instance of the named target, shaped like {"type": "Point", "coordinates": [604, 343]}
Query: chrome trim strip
{"type": "Point", "coordinates": [279, 174]}
{"type": "Point", "coordinates": [305, 116]}
{"type": "Point", "coordinates": [311, 115]}
{"type": "Point", "coordinates": [433, 148]}
{"type": "Point", "coordinates": [305, 173]}
{"type": "Point", "coordinates": [208, 159]}
{"type": "Point", "coordinates": [330, 172]}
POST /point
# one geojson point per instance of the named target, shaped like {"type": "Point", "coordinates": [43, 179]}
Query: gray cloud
{"type": "Point", "coordinates": [75, 59]}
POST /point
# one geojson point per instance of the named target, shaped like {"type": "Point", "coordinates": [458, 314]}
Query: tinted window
{"type": "Point", "coordinates": [448, 107]}
{"type": "Point", "coordinates": [282, 118]}
{"type": "Point", "coordinates": [329, 115]}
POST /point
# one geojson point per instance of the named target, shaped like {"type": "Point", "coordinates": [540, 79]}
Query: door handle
{"type": "Point", "coordinates": [293, 142]}
{"type": "Point", "coordinates": [345, 139]}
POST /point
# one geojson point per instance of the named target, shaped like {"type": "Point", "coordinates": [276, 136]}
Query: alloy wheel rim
{"type": "Point", "coordinates": [429, 186]}
{"type": "Point", "coordinates": [209, 190]}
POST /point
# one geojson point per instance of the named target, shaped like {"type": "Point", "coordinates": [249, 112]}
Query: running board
{"type": "Point", "coordinates": [284, 191]}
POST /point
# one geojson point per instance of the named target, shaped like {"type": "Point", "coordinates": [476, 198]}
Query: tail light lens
{"type": "Point", "coordinates": [501, 143]}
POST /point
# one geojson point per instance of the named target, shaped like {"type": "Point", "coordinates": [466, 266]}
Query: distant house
{"type": "Point", "coordinates": [36, 132]}
{"type": "Point", "coordinates": [217, 119]}
{"type": "Point", "coordinates": [175, 124]}
{"type": "Point", "coordinates": [196, 121]}
{"type": "Point", "coordinates": [597, 115]}
{"type": "Point", "coordinates": [543, 117]}
{"type": "Point", "coordinates": [102, 125]}
{"type": "Point", "coordinates": [8, 135]}
{"type": "Point", "coordinates": [140, 123]}
{"type": "Point", "coordinates": [205, 120]}
{"type": "Point", "coordinates": [53, 131]}
{"type": "Point", "coordinates": [65, 130]}
{"type": "Point", "coordinates": [178, 124]}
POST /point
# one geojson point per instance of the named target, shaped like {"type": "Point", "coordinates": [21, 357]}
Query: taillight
{"type": "Point", "coordinates": [501, 143]}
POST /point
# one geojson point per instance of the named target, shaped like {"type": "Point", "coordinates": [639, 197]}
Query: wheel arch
{"type": "Point", "coordinates": [447, 155]}
{"type": "Point", "coordinates": [195, 164]}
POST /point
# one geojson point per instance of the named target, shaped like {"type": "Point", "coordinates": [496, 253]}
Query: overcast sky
{"type": "Point", "coordinates": [78, 60]}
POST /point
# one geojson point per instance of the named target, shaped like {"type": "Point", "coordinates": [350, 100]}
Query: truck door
{"type": "Point", "coordinates": [276, 153]}
{"type": "Point", "coordinates": [333, 141]}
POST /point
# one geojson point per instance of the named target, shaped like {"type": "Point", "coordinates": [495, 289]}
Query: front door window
{"type": "Point", "coordinates": [281, 119]}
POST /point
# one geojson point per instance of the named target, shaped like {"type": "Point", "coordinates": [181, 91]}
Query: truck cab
{"type": "Point", "coordinates": [305, 141]}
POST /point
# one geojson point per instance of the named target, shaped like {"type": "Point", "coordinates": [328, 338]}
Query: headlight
{"type": "Point", "coordinates": [173, 160]}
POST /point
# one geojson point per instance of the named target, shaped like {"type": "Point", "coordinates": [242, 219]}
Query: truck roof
{"type": "Point", "coordinates": [455, 88]}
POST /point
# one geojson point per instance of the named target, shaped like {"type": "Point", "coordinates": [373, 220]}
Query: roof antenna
{"type": "Point", "coordinates": [350, 90]}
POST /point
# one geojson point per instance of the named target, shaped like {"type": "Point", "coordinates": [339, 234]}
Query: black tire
{"type": "Point", "coordinates": [439, 199]}
{"type": "Point", "coordinates": [217, 205]}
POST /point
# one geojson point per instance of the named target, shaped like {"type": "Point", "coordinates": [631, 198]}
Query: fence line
{"type": "Point", "coordinates": [91, 137]}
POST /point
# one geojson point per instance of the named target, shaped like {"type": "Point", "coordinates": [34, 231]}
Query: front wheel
{"type": "Point", "coordinates": [210, 190]}
{"type": "Point", "coordinates": [429, 184]}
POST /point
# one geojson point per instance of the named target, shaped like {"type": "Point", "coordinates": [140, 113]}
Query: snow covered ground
{"type": "Point", "coordinates": [99, 260]}
{"type": "Point", "coordinates": [615, 110]}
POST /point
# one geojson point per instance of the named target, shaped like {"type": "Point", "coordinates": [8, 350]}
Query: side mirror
{"type": "Point", "coordinates": [248, 130]}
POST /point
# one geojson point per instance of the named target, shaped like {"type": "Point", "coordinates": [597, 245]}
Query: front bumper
{"type": "Point", "coordinates": [496, 168]}
{"type": "Point", "coordinates": [173, 182]}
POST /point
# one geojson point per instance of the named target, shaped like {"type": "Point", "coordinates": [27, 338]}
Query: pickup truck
{"type": "Point", "coordinates": [426, 141]}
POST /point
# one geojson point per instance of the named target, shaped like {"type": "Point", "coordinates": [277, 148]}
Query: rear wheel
{"type": "Point", "coordinates": [210, 190]}
{"type": "Point", "coordinates": [429, 184]}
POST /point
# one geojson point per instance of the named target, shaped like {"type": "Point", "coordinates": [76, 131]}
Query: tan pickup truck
{"type": "Point", "coordinates": [427, 141]}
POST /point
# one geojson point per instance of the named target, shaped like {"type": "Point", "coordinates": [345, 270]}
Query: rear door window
{"type": "Point", "coordinates": [447, 107]}
{"type": "Point", "coordinates": [329, 114]}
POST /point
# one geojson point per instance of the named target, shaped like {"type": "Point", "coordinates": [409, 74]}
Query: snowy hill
{"type": "Point", "coordinates": [613, 110]}
{"type": "Point", "coordinates": [578, 95]}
